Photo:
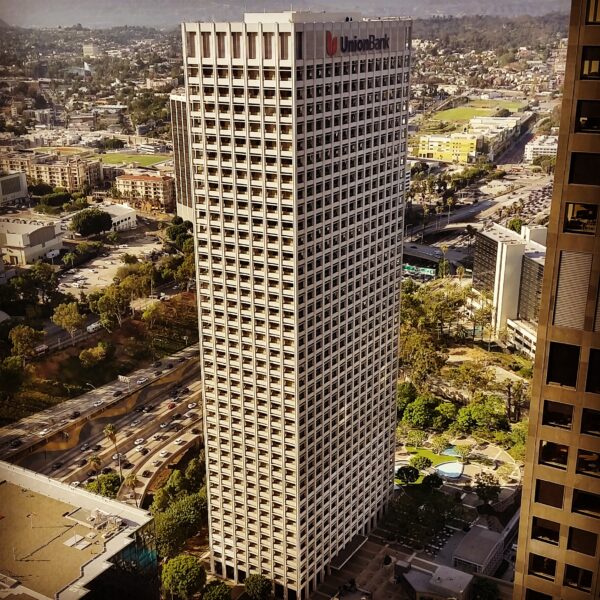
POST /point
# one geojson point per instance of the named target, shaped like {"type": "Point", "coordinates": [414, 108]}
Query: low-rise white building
{"type": "Point", "coordinates": [13, 186]}
{"type": "Point", "coordinates": [23, 241]}
{"type": "Point", "coordinates": [545, 145]}
{"type": "Point", "coordinates": [122, 215]}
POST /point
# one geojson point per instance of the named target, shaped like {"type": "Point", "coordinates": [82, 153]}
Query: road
{"type": "Point", "coordinates": [57, 424]}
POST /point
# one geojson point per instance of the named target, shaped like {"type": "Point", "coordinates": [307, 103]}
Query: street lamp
{"type": "Point", "coordinates": [92, 386]}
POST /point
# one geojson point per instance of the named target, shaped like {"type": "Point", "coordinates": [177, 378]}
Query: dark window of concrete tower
{"type": "Point", "coordinates": [586, 503]}
{"type": "Point", "coordinates": [588, 116]}
{"type": "Point", "coordinates": [588, 463]}
{"type": "Point", "coordinates": [593, 375]}
{"type": "Point", "coordinates": [299, 45]}
{"type": "Point", "coordinates": [553, 455]}
{"type": "Point", "coordinates": [545, 531]}
{"type": "Point", "coordinates": [541, 566]}
{"type": "Point", "coordinates": [191, 43]}
{"type": "Point", "coordinates": [590, 62]}
{"type": "Point", "coordinates": [593, 12]}
{"type": "Point", "coordinates": [590, 422]}
{"type": "Point", "coordinates": [533, 595]}
{"type": "Point", "coordinates": [578, 578]}
{"type": "Point", "coordinates": [585, 168]}
{"type": "Point", "coordinates": [563, 364]}
{"type": "Point", "coordinates": [582, 541]}
{"type": "Point", "coordinates": [549, 493]}
{"type": "Point", "coordinates": [557, 414]}
{"type": "Point", "coordinates": [580, 218]}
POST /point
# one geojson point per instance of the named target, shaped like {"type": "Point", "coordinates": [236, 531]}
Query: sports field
{"type": "Point", "coordinates": [145, 160]}
{"type": "Point", "coordinates": [475, 108]}
{"type": "Point", "coordinates": [62, 149]}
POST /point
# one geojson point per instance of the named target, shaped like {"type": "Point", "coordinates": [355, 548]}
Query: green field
{"type": "Point", "coordinates": [475, 108]}
{"type": "Point", "coordinates": [145, 160]}
{"type": "Point", "coordinates": [62, 149]}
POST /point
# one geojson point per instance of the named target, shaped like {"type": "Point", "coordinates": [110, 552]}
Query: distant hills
{"type": "Point", "coordinates": [161, 13]}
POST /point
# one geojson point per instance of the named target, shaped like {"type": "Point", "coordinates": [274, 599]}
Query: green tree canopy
{"type": "Point", "coordinates": [183, 576]}
{"type": "Point", "coordinates": [24, 340]}
{"type": "Point", "coordinates": [433, 481]}
{"type": "Point", "coordinates": [420, 462]}
{"type": "Point", "coordinates": [68, 317]}
{"type": "Point", "coordinates": [407, 474]}
{"type": "Point", "coordinates": [216, 590]}
{"type": "Point", "coordinates": [91, 221]}
{"type": "Point", "coordinates": [420, 413]}
{"type": "Point", "coordinates": [258, 587]}
{"type": "Point", "coordinates": [487, 487]}
{"type": "Point", "coordinates": [106, 485]}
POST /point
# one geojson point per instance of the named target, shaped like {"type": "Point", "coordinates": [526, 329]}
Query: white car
{"type": "Point", "coordinates": [44, 432]}
{"type": "Point", "coordinates": [84, 447]}
{"type": "Point", "coordinates": [74, 484]}
{"type": "Point", "coordinates": [140, 448]}
{"type": "Point", "coordinates": [163, 425]}
{"type": "Point", "coordinates": [117, 455]}
{"type": "Point", "coordinates": [98, 403]}
{"type": "Point", "coordinates": [156, 463]}
{"type": "Point", "coordinates": [179, 441]}
{"type": "Point", "coordinates": [141, 380]}
{"type": "Point", "coordinates": [163, 453]}
{"type": "Point", "coordinates": [139, 441]}
{"type": "Point", "coordinates": [135, 423]}
{"type": "Point", "coordinates": [192, 405]}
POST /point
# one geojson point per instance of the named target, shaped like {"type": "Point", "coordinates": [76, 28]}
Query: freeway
{"type": "Point", "coordinates": [58, 426]}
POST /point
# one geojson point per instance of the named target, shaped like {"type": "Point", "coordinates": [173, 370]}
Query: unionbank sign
{"type": "Point", "coordinates": [345, 44]}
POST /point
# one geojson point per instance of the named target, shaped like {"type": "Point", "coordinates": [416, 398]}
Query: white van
{"type": "Point", "coordinates": [94, 327]}
{"type": "Point", "coordinates": [41, 349]}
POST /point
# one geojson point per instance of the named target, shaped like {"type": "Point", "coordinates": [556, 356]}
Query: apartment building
{"type": "Point", "coordinates": [298, 149]}
{"type": "Point", "coordinates": [70, 172]}
{"type": "Point", "coordinates": [147, 192]}
{"type": "Point", "coordinates": [12, 187]}
{"type": "Point", "coordinates": [558, 554]}
{"type": "Point", "coordinates": [454, 147]}
{"type": "Point", "coordinates": [184, 186]}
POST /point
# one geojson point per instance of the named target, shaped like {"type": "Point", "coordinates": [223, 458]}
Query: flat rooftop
{"type": "Point", "coordinates": [55, 538]}
{"type": "Point", "coordinates": [477, 545]}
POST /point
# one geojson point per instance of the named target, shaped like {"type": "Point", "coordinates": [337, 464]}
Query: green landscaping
{"type": "Point", "coordinates": [145, 160]}
{"type": "Point", "coordinates": [476, 108]}
{"type": "Point", "coordinates": [436, 459]}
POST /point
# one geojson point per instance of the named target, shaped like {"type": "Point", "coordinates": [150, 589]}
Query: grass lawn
{"type": "Point", "coordinates": [475, 108]}
{"type": "Point", "coordinates": [436, 459]}
{"type": "Point", "coordinates": [145, 160]}
{"type": "Point", "coordinates": [62, 149]}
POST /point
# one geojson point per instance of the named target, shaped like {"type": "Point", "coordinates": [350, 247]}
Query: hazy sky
{"type": "Point", "coordinates": [168, 13]}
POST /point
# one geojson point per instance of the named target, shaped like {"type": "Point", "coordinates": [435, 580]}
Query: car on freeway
{"type": "Point", "coordinates": [163, 453]}
{"type": "Point", "coordinates": [181, 359]}
{"type": "Point", "coordinates": [169, 365]}
{"type": "Point", "coordinates": [57, 465]}
{"type": "Point", "coordinates": [96, 448]}
{"type": "Point", "coordinates": [144, 451]}
{"type": "Point", "coordinates": [135, 423]}
{"type": "Point", "coordinates": [84, 447]}
{"type": "Point", "coordinates": [117, 456]}
{"type": "Point", "coordinates": [98, 403]}
{"type": "Point", "coordinates": [43, 432]}
{"type": "Point", "coordinates": [175, 416]}
{"type": "Point", "coordinates": [82, 462]}
{"type": "Point", "coordinates": [156, 364]}
{"type": "Point", "coordinates": [156, 463]}
{"type": "Point", "coordinates": [91, 473]}
{"type": "Point", "coordinates": [196, 431]}
{"type": "Point", "coordinates": [164, 425]}
{"type": "Point", "coordinates": [75, 414]}
{"type": "Point", "coordinates": [146, 473]}
{"type": "Point", "coordinates": [117, 393]}
{"type": "Point", "coordinates": [157, 372]}
{"type": "Point", "coordinates": [75, 484]}
{"type": "Point", "coordinates": [192, 405]}
{"type": "Point", "coordinates": [179, 441]}
{"type": "Point", "coordinates": [107, 470]}
{"type": "Point", "coordinates": [171, 405]}
{"type": "Point", "coordinates": [139, 409]}
{"type": "Point", "coordinates": [149, 408]}
{"type": "Point", "coordinates": [185, 390]}
{"type": "Point", "coordinates": [141, 380]}
{"type": "Point", "coordinates": [15, 443]}
{"type": "Point", "coordinates": [139, 441]}
{"type": "Point", "coordinates": [157, 437]}
{"type": "Point", "coordinates": [128, 465]}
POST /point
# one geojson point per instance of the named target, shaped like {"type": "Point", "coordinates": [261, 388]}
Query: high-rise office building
{"type": "Point", "coordinates": [298, 143]}
{"type": "Point", "coordinates": [558, 554]}
{"type": "Point", "coordinates": [184, 187]}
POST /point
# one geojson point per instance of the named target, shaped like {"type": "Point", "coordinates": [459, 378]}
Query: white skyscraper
{"type": "Point", "coordinates": [298, 125]}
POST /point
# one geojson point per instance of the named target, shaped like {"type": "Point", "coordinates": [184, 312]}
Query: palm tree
{"type": "Point", "coordinates": [110, 431]}
{"type": "Point", "coordinates": [131, 482]}
{"type": "Point", "coordinates": [95, 462]}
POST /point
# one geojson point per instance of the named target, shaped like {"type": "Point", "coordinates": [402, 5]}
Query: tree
{"type": "Point", "coordinates": [112, 306]}
{"type": "Point", "coordinates": [407, 474]}
{"type": "Point", "coordinates": [69, 258]}
{"type": "Point", "coordinates": [69, 318]}
{"type": "Point", "coordinates": [130, 482]}
{"type": "Point", "coordinates": [406, 394]}
{"type": "Point", "coordinates": [92, 356]}
{"type": "Point", "coordinates": [421, 463]}
{"type": "Point", "coordinates": [258, 587]}
{"type": "Point", "coordinates": [433, 481]}
{"type": "Point", "coordinates": [216, 590]}
{"type": "Point", "coordinates": [195, 472]}
{"type": "Point", "coordinates": [151, 313]}
{"type": "Point", "coordinates": [484, 589]}
{"type": "Point", "coordinates": [24, 340]}
{"type": "Point", "coordinates": [45, 279]}
{"type": "Point", "coordinates": [419, 358]}
{"type": "Point", "coordinates": [439, 443]}
{"type": "Point", "coordinates": [416, 438]}
{"type": "Point", "coordinates": [95, 462]}
{"type": "Point", "coordinates": [183, 576]}
{"type": "Point", "coordinates": [444, 414]}
{"type": "Point", "coordinates": [463, 451]}
{"type": "Point", "coordinates": [420, 413]}
{"type": "Point", "coordinates": [487, 487]}
{"type": "Point", "coordinates": [91, 221]}
{"type": "Point", "coordinates": [472, 376]}
{"type": "Point", "coordinates": [110, 432]}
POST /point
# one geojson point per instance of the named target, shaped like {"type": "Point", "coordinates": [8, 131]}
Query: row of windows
{"type": "Point", "coordinates": [352, 67]}
{"type": "Point", "coordinates": [574, 577]}
{"type": "Point", "coordinates": [556, 456]}
{"type": "Point", "coordinates": [552, 494]}
{"type": "Point", "coordinates": [564, 363]}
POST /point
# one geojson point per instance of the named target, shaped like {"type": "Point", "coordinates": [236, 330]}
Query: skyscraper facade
{"type": "Point", "coordinates": [558, 554]}
{"type": "Point", "coordinates": [184, 188]}
{"type": "Point", "coordinates": [298, 125]}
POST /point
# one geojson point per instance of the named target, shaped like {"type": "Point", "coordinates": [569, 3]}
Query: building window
{"type": "Point", "coordinates": [545, 531]}
{"type": "Point", "coordinates": [251, 45]}
{"type": "Point", "coordinates": [585, 168]}
{"type": "Point", "coordinates": [549, 493]}
{"type": "Point", "coordinates": [563, 364]}
{"type": "Point", "coordinates": [268, 45]}
{"type": "Point", "coordinates": [592, 383]}
{"type": "Point", "coordinates": [221, 44]}
{"type": "Point", "coordinates": [593, 12]}
{"type": "Point", "coordinates": [236, 43]}
{"type": "Point", "coordinates": [578, 578]}
{"type": "Point", "coordinates": [588, 463]}
{"type": "Point", "coordinates": [590, 422]}
{"type": "Point", "coordinates": [590, 63]}
{"type": "Point", "coordinates": [582, 541]}
{"type": "Point", "coordinates": [205, 44]}
{"type": "Point", "coordinates": [284, 46]}
{"type": "Point", "coordinates": [190, 42]}
{"type": "Point", "coordinates": [588, 116]}
{"type": "Point", "coordinates": [553, 455]}
{"type": "Point", "coordinates": [580, 218]}
{"type": "Point", "coordinates": [541, 566]}
{"type": "Point", "coordinates": [586, 503]}
{"type": "Point", "coordinates": [299, 45]}
{"type": "Point", "coordinates": [557, 414]}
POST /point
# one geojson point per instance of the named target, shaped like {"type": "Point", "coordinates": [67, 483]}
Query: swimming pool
{"type": "Point", "coordinates": [451, 470]}
{"type": "Point", "coordinates": [450, 451]}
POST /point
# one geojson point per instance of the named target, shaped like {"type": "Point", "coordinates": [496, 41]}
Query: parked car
{"type": "Point", "coordinates": [146, 473]}
{"type": "Point", "coordinates": [75, 414]}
